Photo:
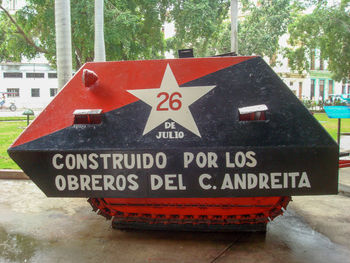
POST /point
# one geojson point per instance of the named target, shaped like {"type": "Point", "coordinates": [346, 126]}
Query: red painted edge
{"type": "Point", "coordinates": [109, 93]}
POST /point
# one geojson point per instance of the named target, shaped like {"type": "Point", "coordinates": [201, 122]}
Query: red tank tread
{"type": "Point", "coordinates": [194, 211]}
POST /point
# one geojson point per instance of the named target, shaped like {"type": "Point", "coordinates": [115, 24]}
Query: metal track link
{"type": "Point", "coordinates": [124, 220]}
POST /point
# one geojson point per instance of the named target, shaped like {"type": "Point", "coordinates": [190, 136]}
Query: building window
{"type": "Point", "coordinates": [344, 89]}
{"type": "Point", "coordinates": [321, 64]}
{"type": "Point", "coordinates": [53, 92]}
{"type": "Point", "coordinates": [12, 93]}
{"type": "Point", "coordinates": [35, 75]}
{"type": "Point", "coordinates": [330, 87]}
{"type": "Point", "coordinates": [312, 89]}
{"type": "Point", "coordinates": [52, 75]}
{"type": "Point", "coordinates": [12, 4]}
{"type": "Point", "coordinates": [300, 90]}
{"type": "Point", "coordinates": [322, 89]}
{"type": "Point", "coordinates": [291, 83]}
{"type": "Point", "coordinates": [13, 75]}
{"type": "Point", "coordinates": [312, 64]}
{"type": "Point", "coordinates": [35, 92]}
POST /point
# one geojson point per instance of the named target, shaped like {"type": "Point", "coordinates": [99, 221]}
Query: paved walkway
{"type": "Point", "coordinates": [17, 113]}
{"type": "Point", "coordinates": [329, 214]}
{"type": "Point", "coordinates": [344, 173]}
{"type": "Point", "coordinates": [34, 228]}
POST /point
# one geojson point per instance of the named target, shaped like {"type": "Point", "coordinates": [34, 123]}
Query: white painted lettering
{"type": "Point", "coordinates": [251, 161]}
{"type": "Point", "coordinates": [70, 161]}
{"type": "Point", "coordinates": [188, 158]}
{"type": "Point", "coordinates": [72, 182]}
{"type": "Point", "coordinates": [147, 160]}
{"type": "Point", "coordinates": [54, 161]}
{"type": "Point", "coordinates": [85, 182]}
{"type": "Point", "coordinates": [116, 160]}
{"type": "Point", "coordinates": [252, 181]}
{"type": "Point", "coordinates": [181, 184]}
{"type": "Point", "coordinates": [240, 159]}
{"type": "Point", "coordinates": [132, 181]}
{"type": "Point", "coordinates": [228, 161]}
{"type": "Point", "coordinates": [156, 182]}
{"type": "Point", "coordinates": [126, 161]}
{"type": "Point", "coordinates": [275, 180]}
{"type": "Point", "coordinates": [201, 181]}
{"type": "Point", "coordinates": [105, 157]}
{"type": "Point", "coordinates": [263, 180]}
{"type": "Point", "coordinates": [93, 163]}
{"type": "Point", "coordinates": [161, 160]}
{"type": "Point", "coordinates": [227, 183]}
{"type": "Point", "coordinates": [304, 181]}
{"type": "Point", "coordinates": [60, 183]}
{"type": "Point", "coordinates": [240, 181]}
{"type": "Point", "coordinates": [169, 181]}
{"type": "Point", "coordinates": [120, 182]}
{"type": "Point", "coordinates": [82, 161]}
{"type": "Point", "coordinates": [108, 182]}
{"type": "Point", "coordinates": [293, 177]}
{"type": "Point", "coordinates": [201, 160]}
{"type": "Point", "coordinates": [212, 159]}
{"type": "Point", "coordinates": [95, 181]}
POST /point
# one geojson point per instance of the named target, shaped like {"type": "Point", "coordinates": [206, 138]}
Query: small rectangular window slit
{"type": "Point", "coordinates": [253, 113]}
{"type": "Point", "coordinates": [87, 116]}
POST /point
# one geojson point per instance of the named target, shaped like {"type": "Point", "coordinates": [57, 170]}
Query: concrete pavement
{"type": "Point", "coordinates": [34, 228]}
{"type": "Point", "coordinates": [329, 214]}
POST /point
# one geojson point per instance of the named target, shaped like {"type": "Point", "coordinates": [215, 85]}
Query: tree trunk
{"type": "Point", "coordinates": [234, 26]}
{"type": "Point", "coordinates": [100, 54]}
{"type": "Point", "coordinates": [63, 42]}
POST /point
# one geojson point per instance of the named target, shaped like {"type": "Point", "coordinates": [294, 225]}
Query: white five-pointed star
{"type": "Point", "coordinates": [171, 102]}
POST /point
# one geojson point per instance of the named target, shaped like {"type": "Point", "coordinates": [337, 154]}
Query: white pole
{"type": "Point", "coordinates": [63, 42]}
{"type": "Point", "coordinates": [234, 26]}
{"type": "Point", "coordinates": [100, 53]}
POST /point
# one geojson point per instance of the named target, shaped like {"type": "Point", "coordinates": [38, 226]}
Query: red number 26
{"type": "Point", "coordinates": [174, 102]}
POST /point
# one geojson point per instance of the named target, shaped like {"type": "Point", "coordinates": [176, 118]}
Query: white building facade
{"type": "Point", "coordinates": [316, 84]}
{"type": "Point", "coordinates": [28, 85]}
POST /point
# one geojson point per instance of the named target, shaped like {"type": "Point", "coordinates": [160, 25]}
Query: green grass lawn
{"type": "Point", "coordinates": [9, 131]}
{"type": "Point", "coordinates": [331, 125]}
{"type": "Point", "coordinates": [20, 118]}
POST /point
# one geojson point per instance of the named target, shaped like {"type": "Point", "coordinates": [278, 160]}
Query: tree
{"type": "Point", "coordinates": [100, 53]}
{"type": "Point", "coordinates": [205, 26]}
{"type": "Point", "coordinates": [15, 40]}
{"type": "Point", "coordinates": [198, 24]}
{"type": "Point", "coordinates": [133, 30]}
{"type": "Point", "coordinates": [63, 41]}
{"type": "Point", "coordinates": [263, 25]}
{"type": "Point", "coordinates": [327, 29]}
{"type": "Point", "coordinates": [234, 26]}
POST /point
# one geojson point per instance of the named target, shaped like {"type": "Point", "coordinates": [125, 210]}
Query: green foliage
{"type": "Point", "coordinates": [263, 25]}
{"type": "Point", "coordinates": [327, 29]}
{"type": "Point", "coordinates": [198, 24]}
{"type": "Point", "coordinates": [205, 26]}
{"type": "Point", "coordinates": [133, 30]}
{"type": "Point", "coordinates": [13, 46]}
{"type": "Point", "coordinates": [307, 103]}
